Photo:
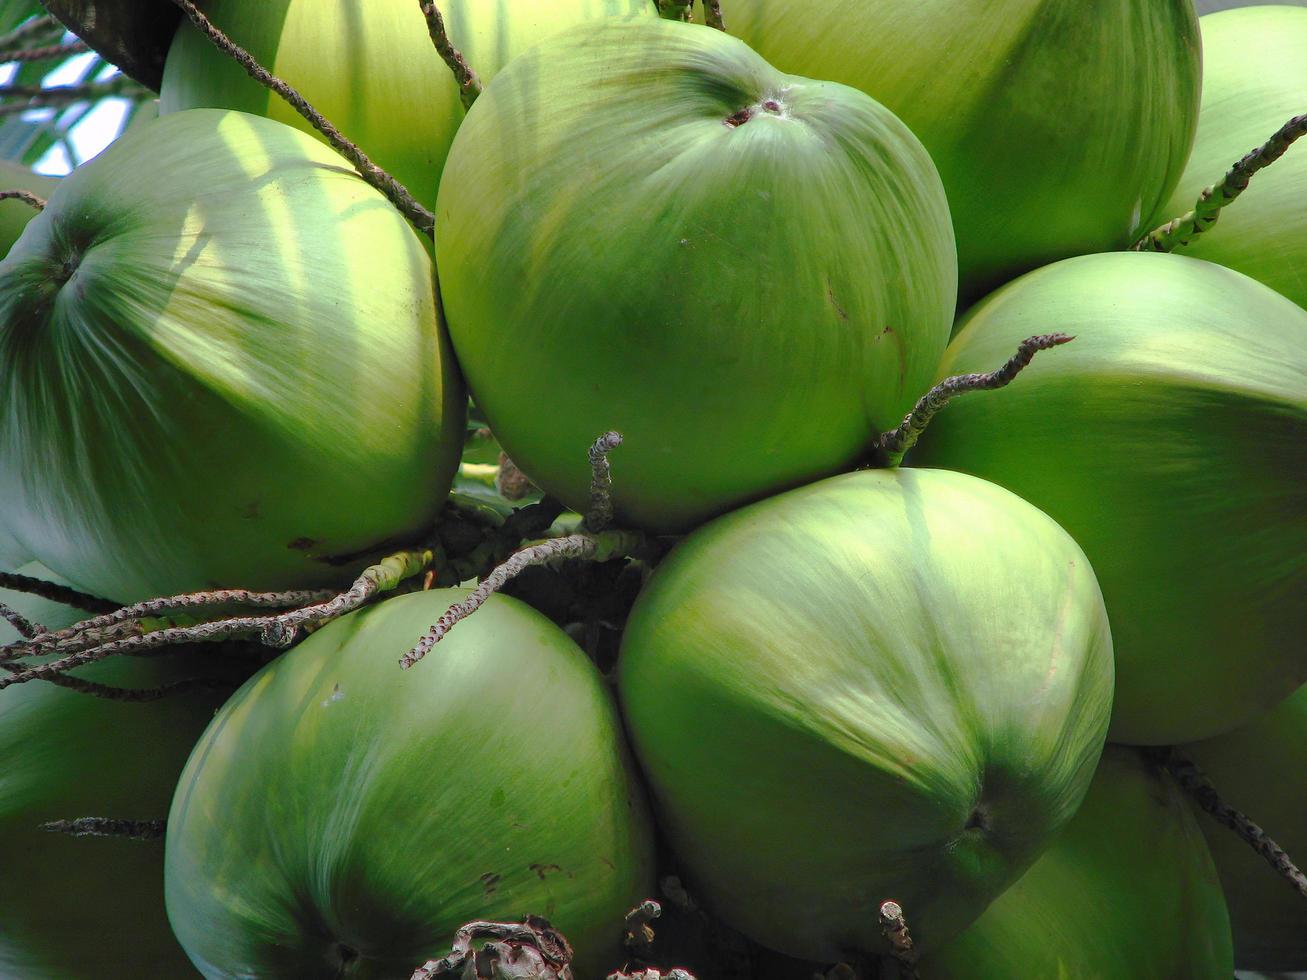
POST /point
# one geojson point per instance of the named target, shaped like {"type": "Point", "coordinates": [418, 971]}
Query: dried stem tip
{"type": "Point", "coordinates": [27, 197]}
{"type": "Point", "coordinates": [24, 626]}
{"type": "Point", "coordinates": [601, 482]}
{"type": "Point", "coordinates": [1184, 229]}
{"type": "Point", "coordinates": [469, 83]}
{"type": "Point", "coordinates": [1196, 783]}
{"type": "Point", "coordinates": [712, 14]}
{"type": "Point", "coordinates": [398, 195]}
{"type": "Point", "coordinates": [894, 444]}
{"type": "Point", "coordinates": [894, 927]}
{"type": "Point", "coordinates": [107, 827]}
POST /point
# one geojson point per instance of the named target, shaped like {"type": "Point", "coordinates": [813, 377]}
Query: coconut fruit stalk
{"type": "Point", "coordinates": [15, 214]}
{"type": "Point", "coordinates": [342, 817]}
{"type": "Point", "coordinates": [1058, 126]}
{"type": "Point", "coordinates": [1261, 770]}
{"type": "Point", "coordinates": [1127, 890]}
{"type": "Point", "coordinates": [893, 684]}
{"type": "Point", "coordinates": [645, 227]}
{"type": "Point", "coordinates": [221, 365]}
{"type": "Point", "coordinates": [72, 907]}
{"type": "Point", "coordinates": [369, 68]}
{"type": "Point", "coordinates": [1170, 440]}
{"type": "Point", "coordinates": [1254, 78]}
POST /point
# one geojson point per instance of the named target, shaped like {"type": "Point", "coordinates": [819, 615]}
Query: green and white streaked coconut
{"type": "Point", "coordinates": [645, 227]}
{"type": "Point", "coordinates": [369, 68]}
{"type": "Point", "coordinates": [1254, 80]}
{"type": "Point", "coordinates": [1127, 890]}
{"type": "Point", "coordinates": [1058, 126]}
{"type": "Point", "coordinates": [70, 907]}
{"type": "Point", "coordinates": [1261, 770]}
{"type": "Point", "coordinates": [893, 684]}
{"type": "Point", "coordinates": [221, 364]}
{"type": "Point", "coordinates": [342, 818]}
{"type": "Point", "coordinates": [1170, 440]}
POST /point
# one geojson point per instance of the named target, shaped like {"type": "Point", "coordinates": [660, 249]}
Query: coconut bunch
{"type": "Point", "coordinates": [800, 672]}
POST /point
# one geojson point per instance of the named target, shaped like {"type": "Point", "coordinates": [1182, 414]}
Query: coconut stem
{"type": "Point", "coordinates": [45, 53]}
{"type": "Point", "coordinates": [131, 695]}
{"type": "Point", "coordinates": [894, 927]}
{"type": "Point", "coordinates": [893, 445]}
{"type": "Point", "coordinates": [469, 83]}
{"type": "Point", "coordinates": [592, 543]}
{"type": "Point", "coordinates": [27, 197]}
{"type": "Point", "coordinates": [395, 192]}
{"type": "Point", "coordinates": [140, 635]}
{"type": "Point", "coordinates": [1197, 784]}
{"type": "Point", "coordinates": [676, 9]}
{"type": "Point", "coordinates": [36, 96]}
{"type": "Point", "coordinates": [1184, 229]}
{"type": "Point", "coordinates": [712, 14]}
{"type": "Point", "coordinates": [55, 593]}
{"type": "Point", "coordinates": [39, 28]}
{"type": "Point", "coordinates": [533, 933]}
{"type": "Point", "coordinates": [148, 830]}
{"type": "Point", "coordinates": [25, 627]}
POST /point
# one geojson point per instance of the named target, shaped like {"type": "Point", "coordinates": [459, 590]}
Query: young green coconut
{"type": "Point", "coordinates": [1058, 126]}
{"type": "Point", "coordinates": [1254, 78]}
{"type": "Point", "coordinates": [1261, 769]}
{"type": "Point", "coordinates": [342, 818]}
{"type": "Point", "coordinates": [76, 908]}
{"type": "Point", "coordinates": [1127, 890]}
{"type": "Point", "coordinates": [369, 68]}
{"type": "Point", "coordinates": [1170, 440]}
{"type": "Point", "coordinates": [643, 226]}
{"type": "Point", "coordinates": [221, 364]}
{"type": "Point", "coordinates": [892, 684]}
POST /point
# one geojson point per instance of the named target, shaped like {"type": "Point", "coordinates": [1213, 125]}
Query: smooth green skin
{"type": "Point", "coordinates": [1058, 126]}
{"type": "Point", "coordinates": [68, 905]}
{"type": "Point", "coordinates": [14, 215]}
{"type": "Point", "coordinates": [373, 72]}
{"type": "Point", "coordinates": [244, 375]}
{"type": "Point", "coordinates": [1261, 770]}
{"type": "Point", "coordinates": [1254, 80]}
{"type": "Point", "coordinates": [1128, 890]}
{"type": "Point", "coordinates": [1170, 440]}
{"type": "Point", "coordinates": [889, 684]}
{"type": "Point", "coordinates": [337, 801]}
{"type": "Point", "coordinates": [748, 306]}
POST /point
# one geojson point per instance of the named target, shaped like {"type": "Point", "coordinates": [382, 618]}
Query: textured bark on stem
{"type": "Point", "coordinates": [55, 593]}
{"type": "Point", "coordinates": [712, 14]}
{"type": "Point", "coordinates": [1196, 783]}
{"type": "Point", "coordinates": [27, 197]}
{"type": "Point", "coordinates": [1184, 229]}
{"type": "Point", "coordinates": [25, 627]}
{"type": "Point", "coordinates": [893, 445]}
{"type": "Point", "coordinates": [469, 83]}
{"type": "Point", "coordinates": [398, 195]}
{"type": "Point", "coordinates": [45, 53]}
{"type": "Point", "coordinates": [546, 947]}
{"type": "Point", "coordinates": [148, 830]}
{"type": "Point", "coordinates": [601, 482]}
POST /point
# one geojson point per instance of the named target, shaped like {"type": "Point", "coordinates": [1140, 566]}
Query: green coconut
{"type": "Point", "coordinates": [1170, 440]}
{"type": "Point", "coordinates": [342, 818]}
{"type": "Point", "coordinates": [369, 68]}
{"type": "Point", "coordinates": [221, 364]}
{"type": "Point", "coordinates": [1127, 890]}
{"type": "Point", "coordinates": [893, 684]}
{"type": "Point", "coordinates": [1261, 770]}
{"type": "Point", "coordinates": [79, 907]}
{"type": "Point", "coordinates": [644, 227]}
{"type": "Point", "coordinates": [1254, 80]}
{"type": "Point", "coordinates": [1058, 126]}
